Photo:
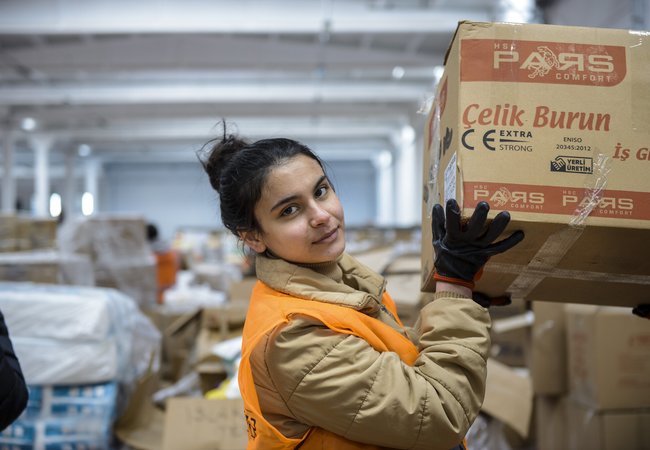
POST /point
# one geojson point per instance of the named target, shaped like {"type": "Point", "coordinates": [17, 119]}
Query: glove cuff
{"type": "Point", "coordinates": [467, 284]}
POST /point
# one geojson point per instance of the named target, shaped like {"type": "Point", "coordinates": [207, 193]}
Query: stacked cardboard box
{"type": "Point", "coordinates": [609, 357]}
{"type": "Point", "coordinates": [591, 366]}
{"type": "Point", "coordinates": [609, 378]}
{"type": "Point", "coordinates": [552, 124]}
{"type": "Point", "coordinates": [36, 233]}
{"type": "Point", "coordinates": [46, 266]}
{"type": "Point", "coordinates": [8, 224]}
{"type": "Point", "coordinates": [21, 233]}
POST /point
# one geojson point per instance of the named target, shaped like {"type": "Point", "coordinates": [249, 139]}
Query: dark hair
{"type": "Point", "coordinates": [238, 169]}
{"type": "Point", "coordinates": [152, 232]}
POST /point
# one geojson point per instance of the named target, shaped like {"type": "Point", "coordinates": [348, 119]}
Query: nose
{"type": "Point", "coordinates": [318, 216]}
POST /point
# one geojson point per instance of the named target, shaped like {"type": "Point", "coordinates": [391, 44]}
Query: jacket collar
{"type": "Point", "coordinates": [360, 289]}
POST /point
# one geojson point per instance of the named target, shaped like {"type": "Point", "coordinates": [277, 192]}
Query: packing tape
{"type": "Point", "coordinates": [582, 275]}
{"type": "Point", "coordinates": [557, 245]}
{"type": "Point", "coordinates": [433, 147]}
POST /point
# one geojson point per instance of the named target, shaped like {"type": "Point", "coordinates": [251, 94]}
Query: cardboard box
{"type": "Point", "coordinates": [211, 368]}
{"type": "Point", "coordinates": [34, 233]}
{"type": "Point", "coordinates": [225, 318]}
{"type": "Point", "coordinates": [509, 397]}
{"type": "Point", "coordinates": [552, 124]}
{"type": "Point", "coordinates": [46, 266]}
{"type": "Point", "coordinates": [200, 424]}
{"type": "Point", "coordinates": [609, 357]}
{"type": "Point", "coordinates": [510, 333]}
{"type": "Point", "coordinates": [611, 430]}
{"type": "Point", "coordinates": [8, 232]}
{"type": "Point", "coordinates": [551, 422]}
{"type": "Point", "coordinates": [549, 349]}
{"type": "Point", "coordinates": [404, 289]}
{"type": "Point", "coordinates": [240, 291]}
{"type": "Point", "coordinates": [179, 333]}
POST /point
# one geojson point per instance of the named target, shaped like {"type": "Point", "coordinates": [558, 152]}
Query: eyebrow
{"type": "Point", "coordinates": [290, 198]}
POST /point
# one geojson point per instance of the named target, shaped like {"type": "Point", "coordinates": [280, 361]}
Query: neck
{"type": "Point", "coordinates": [330, 269]}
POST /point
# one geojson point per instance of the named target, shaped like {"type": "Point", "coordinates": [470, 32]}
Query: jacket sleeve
{"type": "Point", "coordinates": [13, 390]}
{"type": "Point", "coordinates": [352, 390]}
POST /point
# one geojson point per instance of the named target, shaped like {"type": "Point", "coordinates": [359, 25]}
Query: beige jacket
{"type": "Point", "coordinates": [308, 375]}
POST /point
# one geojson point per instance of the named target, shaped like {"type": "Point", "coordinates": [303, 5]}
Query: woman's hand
{"type": "Point", "coordinates": [461, 250]}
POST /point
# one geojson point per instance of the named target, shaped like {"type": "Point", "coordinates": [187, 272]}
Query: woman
{"type": "Point", "coordinates": [326, 362]}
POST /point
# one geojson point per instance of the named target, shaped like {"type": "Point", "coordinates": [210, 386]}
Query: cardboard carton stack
{"type": "Point", "coordinates": [8, 224]}
{"type": "Point", "coordinates": [120, 254]}
{"type": "Point", "coordinates": [591, 378]}
{"type": "Point", "coordinates": [34, 233]}
{"type": "Point", "coordinates": [609, 378]}
{"type": "Point", "coordinates": [46, 266]}
{"type": "Point", "coordinates": [22, 233]}
{"type": "Point", "coordinates": [28, 252]}
{"type": "Point", "coordinates": [552, 124]}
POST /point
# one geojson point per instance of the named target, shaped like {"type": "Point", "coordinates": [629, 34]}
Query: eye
{"type": "Point", "coordinates": [322, 191]}
{"type": "Point", "coordinates": [289, 210]}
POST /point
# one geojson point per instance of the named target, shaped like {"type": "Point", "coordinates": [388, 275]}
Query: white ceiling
{"type": "Point", "coordinates": [151, 78]}
{"type": "Point", "coordinates": [156, 76]}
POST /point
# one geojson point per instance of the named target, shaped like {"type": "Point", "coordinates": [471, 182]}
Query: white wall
{"type": "Point", "coordinates": [180, 195]}
{"type": "Point", "coordinates": [169, 195]}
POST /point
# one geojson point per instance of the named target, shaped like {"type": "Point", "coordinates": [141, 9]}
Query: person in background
{"type": "Point", "coordinates": [13, 390]}
{"type": "Point", "coordinates": [166, 261]}
{"type": "Point", "coordinates": [326, 362]}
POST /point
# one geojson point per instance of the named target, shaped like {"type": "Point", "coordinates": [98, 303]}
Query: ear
{"type": "Point", "coordinates": [253, 240]}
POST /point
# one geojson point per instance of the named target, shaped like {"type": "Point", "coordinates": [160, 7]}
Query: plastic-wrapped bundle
{"type": "Point", "coordinates": [77, 335]}
{"type": "Point", "coordinates": [120, 254]}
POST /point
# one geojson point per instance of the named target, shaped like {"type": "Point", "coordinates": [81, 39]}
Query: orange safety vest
{"type": "Point", "coordinates": [269, 308]}
{"type": "Point", "coordinates": [166, 269]}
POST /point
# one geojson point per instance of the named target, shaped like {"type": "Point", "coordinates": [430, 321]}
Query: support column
{"type": "Point", "coordinates": [407, 183]}
{"type": "Point", "coordinates": [8, 178]}
{"type": "Point", "coordinates": [92, 173]}
{"type": "Point", "coordinates": [69, 189]}
{"type": "Point", "coordinates": [41, 146]}
{"type": "Point", "coordinates": [383, 163]}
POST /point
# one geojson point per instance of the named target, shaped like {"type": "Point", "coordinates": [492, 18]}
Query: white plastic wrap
{"type": "Point", "coordinates": [64, 314]}
{"type": "Point", "coordinates": [74, 335]}
{"type": "Point", "coordinates": [55, 361]}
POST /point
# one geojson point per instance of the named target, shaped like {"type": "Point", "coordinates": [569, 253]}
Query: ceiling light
{"type": "Point", "coordinates": [55, 205]}
{"type": "Point", "coordinates": [408, 134]}
{"type": "Point", "coordinates": [28, 123]}
{"type": "Point", "coordinates": [87, 204]}
{"type": "Point", "coordinates": [84, 150]}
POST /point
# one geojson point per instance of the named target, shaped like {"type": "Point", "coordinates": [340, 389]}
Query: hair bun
{"type": "Point", "coordinates": [218, 156]}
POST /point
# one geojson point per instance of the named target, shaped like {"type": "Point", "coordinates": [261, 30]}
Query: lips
{"type": "Point", "coordinates": [328, 237]}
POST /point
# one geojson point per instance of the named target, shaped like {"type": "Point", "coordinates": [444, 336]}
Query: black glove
{"type": "Point", "coordinates": [461, 250]}
{"type": "Point", "coordinates": [642, 310]}
{"type": "Point", "coordinates": [486, 301]}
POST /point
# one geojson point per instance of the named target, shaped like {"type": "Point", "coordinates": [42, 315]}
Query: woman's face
{"type": "Point", "coordinates": [300, 216]}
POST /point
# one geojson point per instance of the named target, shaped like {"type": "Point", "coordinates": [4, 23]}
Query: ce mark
{"type": "Point", "coordinates": [487, 139]}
